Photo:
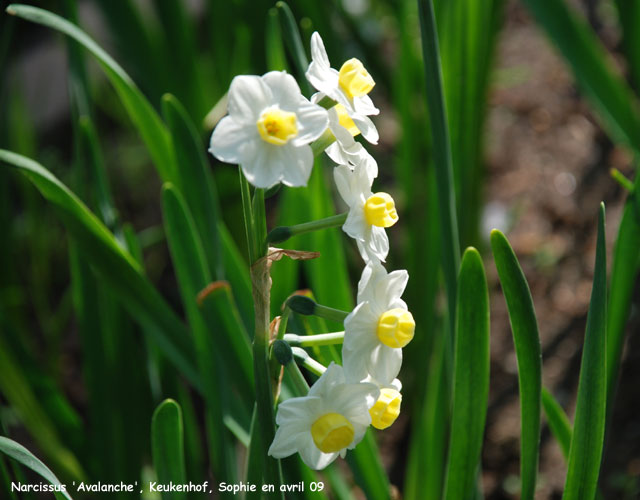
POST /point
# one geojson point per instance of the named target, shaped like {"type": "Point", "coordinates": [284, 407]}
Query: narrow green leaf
{"type": "Point", "coordinates": [167, 446]}
{"type": "Point", "coordinates": [441, 153]}
{"type": "Point", "coordinates": [629, 16]}
{"type": "Point", "coordinates": [558, 422]}
{"type": "Point", "coordinates": [589, 61]}
{"type": "Point", "coordinates": [524, 326]}
{"type": "Point", "coordinates": [588, 434]}
{"type": "Point", "coordinates": [196, 179]}
{"type": "Point", "coordinates": [293, 41]}
{"type": "Point", "coordinates": [471, 378]}
{"type": "Point", "coordinates": [18, 452]}
{"type": "Point", "coordinates": [193, 275]}
{"type": "Point", "coordinates": [624, 271]}
{"type": "Point", "coordinates": [151, 128]}
{"type": "Point", "coordinates": [16, 390]}
{"type": "Point", "coordinates": [115, 266]}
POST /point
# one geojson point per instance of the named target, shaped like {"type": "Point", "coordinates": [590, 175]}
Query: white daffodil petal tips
{"type": "Point", "coordinates": [268, 130]}
{"type": "Point", "coordinates": [378, 327]}
{"type": "Point", "coordinates": [348, 87]}
{"type": "Point", "coordinates": [332, 418]}
{"type": "Point", "coordinates": [368, 214]}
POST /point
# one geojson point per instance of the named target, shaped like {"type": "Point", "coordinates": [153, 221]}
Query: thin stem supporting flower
{"type": "Point", "coordinates": [302, 358]}
{"type": "Point", "coordinates": [283, 233]}
{"type": "Point", "coordinates": [313, 340]}
{"type": "Point", "coordinates": [309, 307]}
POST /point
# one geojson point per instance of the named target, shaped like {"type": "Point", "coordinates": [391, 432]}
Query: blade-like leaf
{"type": "Point", "coordinates": [115, 266]}
{"type": "Point", "coordinates": [606, 89]}
{"type": "Point", "coordinates": [193, 275]}
{"type": "Point", "coordinates": [624, 270]}
{"type": "Point", "coordinates": [558, 421]}
{"type": "Point", "coordinates": [167, 446]}
{"type": "Point", "coordinates": [471, 378]}
{"type": "Point", "coordinates": [524, 326]}
{"type": "Point", "coordinates": [588, 430]}
{"type": "Point", "coordinates": [151, 128]}
{"type": "Point", "coordinates": [28, 459]}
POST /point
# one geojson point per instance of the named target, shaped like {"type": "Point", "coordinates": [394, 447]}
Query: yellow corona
{"type": "Point", "coordinates": [277, 126]}
{"type": "Point", "coordinates": [332, 432]}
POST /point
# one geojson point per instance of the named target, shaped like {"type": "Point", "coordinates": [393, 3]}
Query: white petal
{"type": "Point", "coordinates": [355, 364]}
{"type": "Point", "coordinates": [229, 139]}
{"type": "Point", "coordinates": [285, 90]}
{"type": "Point", "coordinates": [395, 286]}
{"type": "Point", "coordinates": [378, 243]}
{"type": "Point", "coordinates": [318, 52]}
{"type": "Point", "coordinates": [313, 120]}
{"type": "Point", "coordinates": [355, 225]}
{"type": "Point", "coordinates": [296, 410]}
{"type": "Point", "coordinates": [330, 378]}
{"type": "Point", "coordinates": [385, 364]}
{"type": "Point", "coordinates": [360, 328]}
{"type": "Point", "coordinates": [285, 442]}
{"type": "Point", "coordinates": [363, 105]}
{"type": "Point", "coordinates": [366, 127]}
{"type": "Point", "coordinates": [248, 97]}
{"type": "Point", "coordinates": [313, 457]}
{"type": "Point", "coordinates": [262, 164]}
{"type": "Point", "coordinates": [297, 165]}
{"type": "Point", "coordinates": [343, 176]}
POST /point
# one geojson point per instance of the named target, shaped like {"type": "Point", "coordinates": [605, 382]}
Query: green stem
{"type": "Point", "coordinates": [301, 386]}
{"type": "Point", "coordinates": [308, 307]}
{"type": "Point", "coordinates": [326, 102]}
{"type": "Point", "coordinates": [302, 358]}
{"type": "Point", "coordinates": [323, 142]}
{"type": "Point", "coordinates": [311, 340]}
{"type": "Point", "coordinates": [283, 233]}
{"type": "Point", "coordinates": [255, 223]}
{"type": "Point", "coordinates": [247, 212]}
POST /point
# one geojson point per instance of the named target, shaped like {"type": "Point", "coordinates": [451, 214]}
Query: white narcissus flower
{"type": "Point", "coordinates": [330, 420]}
{"type": "Point", "coordinates": [268, 130]}
{"type": "Point", "coordinates": [348, 87]}
{"type": "Point", "coordinates": [369, 213]}
{"type": "Point", "coordinates": [378, 328]}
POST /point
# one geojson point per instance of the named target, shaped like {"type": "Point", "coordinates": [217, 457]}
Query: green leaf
{"type": "Point", "coordinates": [167, 446]}
{"type": "Point", "coordinates": [588, 431]}
{"type": "Point", "coordinates": [193, 275]}
{"type": "Point", "coordinates": [25, 457]}
{"type": "Point", "coordinates": [151, 128]}
{"type": "Point", "coordinates": [589, 61]}
{"type": "Point", "coordinates": [629, 17]}
{"type": "Point", "coordinates": [441, 144]}
{"type": "Point", "coordinates": [293, 41]}
{"type": "Point", "coordinates": [115, 266]}
{"type": "Point", "coordinates": [471, 378]}
{"type": "Point", "coordinates": [196, 180]}
{"type": "Point", "coordinates": [624, 272]}
{"type": "Point", "coordinates": [16, 390]}
{"type": "Point", "coordinates": [524, 326]}
{"type": "Point", "coordinates": [558, 421]}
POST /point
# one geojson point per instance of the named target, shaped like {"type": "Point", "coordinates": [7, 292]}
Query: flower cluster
{"type": "Point", "coordinates": [268, 132]}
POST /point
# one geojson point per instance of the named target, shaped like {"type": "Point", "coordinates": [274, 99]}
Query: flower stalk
{"type": "Point", "coordinates": [255, 223]}
{"type": "Point", "coordinates": [309, 307]}
{"type": "Point", "coordinates": [302, 358]}
{"type": "Point", "coordinates": [283, 233]}
{"type": "Point", "coordinates": [313, 340]}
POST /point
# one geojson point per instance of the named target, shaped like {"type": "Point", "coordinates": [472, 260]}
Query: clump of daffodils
{"type": "Point", "coordinates": [268, 132]}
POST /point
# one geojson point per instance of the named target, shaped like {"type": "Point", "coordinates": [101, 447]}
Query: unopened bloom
{"type": "Point", "coordinates": [378, 328]}
{"type": "Point", "coordinates": [330, 420]}
{"type": "Point", "coordinates": [386, 409]}
{"type": "Point", "coordinates": [348, 87]}
{"type": "Point", "coordinates": [268, 130]}
{"type": "Point", "coordinates": [369, 213]}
